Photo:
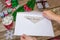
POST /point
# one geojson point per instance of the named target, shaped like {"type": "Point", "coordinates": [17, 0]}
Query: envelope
{"type": "Point", "coordinates": [33, 24]}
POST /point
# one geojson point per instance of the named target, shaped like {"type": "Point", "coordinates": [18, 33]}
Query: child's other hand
{"type": "Point", "coordinates": [49, 14]}
{"type": "Point", "coordinates": [25, 37]}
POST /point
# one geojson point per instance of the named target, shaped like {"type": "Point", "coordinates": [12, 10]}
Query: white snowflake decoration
{"type": "Point", "coordinates": [9, 35]}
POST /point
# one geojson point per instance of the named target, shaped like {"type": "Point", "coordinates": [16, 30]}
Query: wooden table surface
{"type": "Point", "coordinates": [56, 28]}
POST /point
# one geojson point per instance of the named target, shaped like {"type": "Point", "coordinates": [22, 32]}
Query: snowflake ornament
{"type": "Point", "coordinates": [9, 34]}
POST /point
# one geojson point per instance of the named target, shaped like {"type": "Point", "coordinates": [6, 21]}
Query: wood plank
{"type": "Point", "coordinates": [54, 3]}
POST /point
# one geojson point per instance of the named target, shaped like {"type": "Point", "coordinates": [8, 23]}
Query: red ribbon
{"type": "Point", "coordinates": [26, 8]}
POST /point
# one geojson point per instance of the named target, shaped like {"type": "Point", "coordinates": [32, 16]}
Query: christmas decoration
{"type": "Point", "coordinates": [2, 15]}
{"type": "Point", "coordinates": [8, 22]}
{"type": "Point", "coordinates": [8, 3]}
{"type": "Point", "coordinates": [42, 4]}
{"type": "Point", "coordinates": [28, 7]}
{"type": "Point", "coordinates": [9, 35]}
{"type": "Point", "coordinates": [14, 3]}
{"type": "Point", "coordinates": [9, 10]}
{"type": "Point", "coordinates": [5, 13]}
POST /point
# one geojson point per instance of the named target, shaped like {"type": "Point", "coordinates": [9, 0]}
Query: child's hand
{"type": "Point", "coordinates": [25, 37]}
{"type": "Point", "coordinates": [49, 14]}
